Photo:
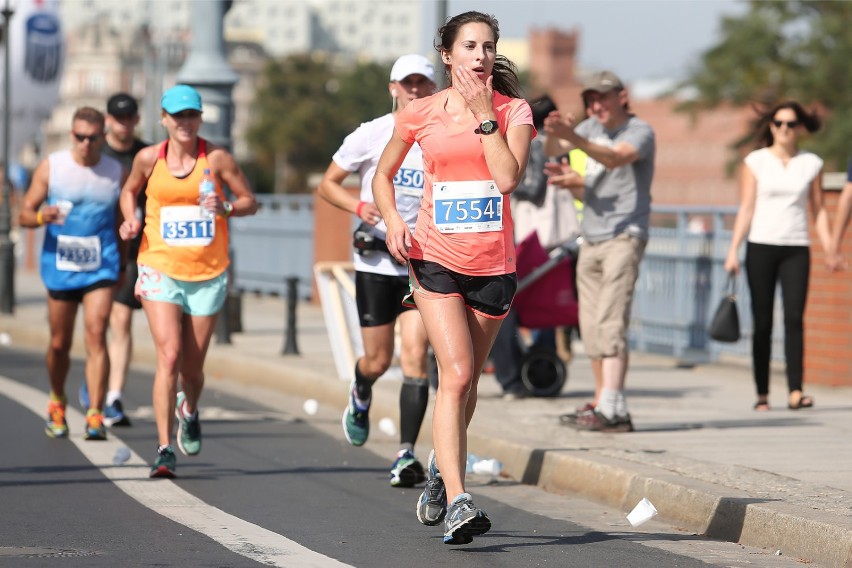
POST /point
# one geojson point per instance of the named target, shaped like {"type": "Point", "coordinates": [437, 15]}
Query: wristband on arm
{"type": "Point", "coordinates": [359, 207]}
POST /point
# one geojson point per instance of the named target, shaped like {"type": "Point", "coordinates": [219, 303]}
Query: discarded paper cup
{"type": "Point", "coordinates": [65, 208]}
{"type": "Point", "coordinates": [310, 406]}
{"type": "Point", "coordinates": [641, 513]}
{"type": "Point", "coordinates": [387, 426]}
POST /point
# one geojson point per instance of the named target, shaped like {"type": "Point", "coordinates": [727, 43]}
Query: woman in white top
{"type": "Point", "coordinates": [778, 181]}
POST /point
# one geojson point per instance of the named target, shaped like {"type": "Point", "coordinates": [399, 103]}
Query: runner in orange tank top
{"type": "Point", "coordinates": [475, 138]}
{"type": "Point", "coordinates": [182, 260]}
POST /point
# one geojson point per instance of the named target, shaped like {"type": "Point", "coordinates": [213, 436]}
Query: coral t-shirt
{"type": "Point", "coordinates": [452, 152]}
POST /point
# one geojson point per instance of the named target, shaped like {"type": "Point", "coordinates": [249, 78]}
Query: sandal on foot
{"type": "Point", "coordinates": [761, 406]}
{"type": "Point", "coordinates": [804, 402]}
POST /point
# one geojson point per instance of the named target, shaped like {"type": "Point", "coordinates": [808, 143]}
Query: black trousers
{"type": "Point", "coordinates": [766, 266]}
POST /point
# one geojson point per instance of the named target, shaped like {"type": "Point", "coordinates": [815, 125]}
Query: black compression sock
{"type": "Point", "coordinates": [363, 385]}
{"type": "Point", "coordinates": [413, 400]}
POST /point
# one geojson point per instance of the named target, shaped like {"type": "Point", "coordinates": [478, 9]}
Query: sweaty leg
{"type": "Point", "coordinates": [120, 345]}
{"type": "Point", "coordinates": [446, 325]}
{"type": "Point", "coordinates": [196, 334]}
{"type": "Point", "coordinates": [96, 308]}
{"type": "Point", "coordinates": [165, 319]}
{"type": "Point", "coordinates": [378, 351]}
{"type": "Point", "coordinates": [61, 317]}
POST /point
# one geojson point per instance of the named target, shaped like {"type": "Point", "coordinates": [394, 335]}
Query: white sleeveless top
{"type": "Point", "coordinates": [781, 206]}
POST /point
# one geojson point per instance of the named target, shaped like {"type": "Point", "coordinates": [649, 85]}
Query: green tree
{"type": "Point", "coordinates": [305, 107]}
{"type": "Point", "coordinates": [784, 50]}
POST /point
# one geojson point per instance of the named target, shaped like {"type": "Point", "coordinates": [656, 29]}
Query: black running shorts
{"type": "Point", "coordinates": [76, 295]}
{"type": "Point", "coordinates": [490, 296]}
{"type": "Point", "coordinates": [379, 298]}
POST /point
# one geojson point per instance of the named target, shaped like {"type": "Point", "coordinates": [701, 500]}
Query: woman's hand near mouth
{"type": "Point", "coordinates": [478, 94]}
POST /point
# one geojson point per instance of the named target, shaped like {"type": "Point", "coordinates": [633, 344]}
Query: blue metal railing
{"type": "Point", "coordinates": [680, 281]}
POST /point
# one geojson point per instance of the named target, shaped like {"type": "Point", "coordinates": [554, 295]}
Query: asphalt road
{"type": "Point", "coordinates": [274, 486]}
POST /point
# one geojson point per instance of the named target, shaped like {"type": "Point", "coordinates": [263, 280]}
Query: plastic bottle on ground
{"type": "Point", "coordinates": [122, 454]}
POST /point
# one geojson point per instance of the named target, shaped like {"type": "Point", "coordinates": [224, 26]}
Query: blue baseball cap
{"type": "Point", "coordinates": [181, 97]}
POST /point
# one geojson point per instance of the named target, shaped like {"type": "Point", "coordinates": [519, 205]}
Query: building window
{"type": "Point", "coordinates": [96, 82]}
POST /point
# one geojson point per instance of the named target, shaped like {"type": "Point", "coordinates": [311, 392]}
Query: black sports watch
{"type": "Point", "coordinates": [488, 127]}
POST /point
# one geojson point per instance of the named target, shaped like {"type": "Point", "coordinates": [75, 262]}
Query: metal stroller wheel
{"type": "Point", "coordinates": [543, 373]}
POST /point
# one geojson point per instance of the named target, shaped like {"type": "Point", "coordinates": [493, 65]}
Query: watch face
{"type": "Point", "coordinates": [487, 126]}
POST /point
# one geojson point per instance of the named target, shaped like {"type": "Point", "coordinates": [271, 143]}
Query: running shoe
{"type": "Point", "coordinates": [83, 396]}
{"type": "Point", "coordinates": [432, 504]}
{"type": "Point", "coordinates": [406, 471]}
{"type": "Point", "coordinates": [189, 429]}
{"type": "Point", "coordinates": [95, 429]}
{"type": "Point", "coordinates": [597, 422]}
{"type": "Point", "coordinates": [571, 418]}
{"type": "Point", "coordinates": [356, 420]}
{"type": "Point", "coordinates": [114, 415]}
{"type": "Point", "coordinates": [56, 426]}
{"type": "Point", "coordinates": [464, 521]}
{"type": "Point", "coordinates": [165, 464]}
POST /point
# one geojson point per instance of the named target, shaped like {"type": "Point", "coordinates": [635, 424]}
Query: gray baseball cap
{"type": "Point", "coordinates": [602, 82]}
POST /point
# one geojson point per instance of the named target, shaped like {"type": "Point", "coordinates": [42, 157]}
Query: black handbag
{"type": "Point", "coordinates": [725, 326]}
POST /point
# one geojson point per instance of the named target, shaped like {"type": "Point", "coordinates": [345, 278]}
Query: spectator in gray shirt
{"type": "Point", "coordinates": [616, 191]}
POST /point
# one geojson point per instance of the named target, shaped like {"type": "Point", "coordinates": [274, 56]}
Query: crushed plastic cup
{"type": "Point", "coordinates": [122, 454]}
{"type": "Point", "coordinates": [387, 426]}
{"type": "Point", "coordinates": [490, 467]}
{"type": "Point", "coordinates": [310, 406]}
{"type": "Point", "coordinates": [644, 511]}
{"type": "Point", "coordinates": [65, 208]}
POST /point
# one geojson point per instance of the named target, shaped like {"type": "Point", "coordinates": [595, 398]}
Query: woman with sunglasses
{"type": "Point", "coordinates": [778, 183]}
{"type": "Point", "coordinates": [183, 260]}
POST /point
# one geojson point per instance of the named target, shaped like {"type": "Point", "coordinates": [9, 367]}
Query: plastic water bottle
{"type": "Point", "coordinates": [206, 187]}
{"type": "Point", "coordinates": [471, 459]}
{"type": "Point", "coordinates": [122, 454]}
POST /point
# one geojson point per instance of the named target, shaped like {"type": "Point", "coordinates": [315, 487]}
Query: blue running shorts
{"type": "Point", "coordinates": [204, 298]}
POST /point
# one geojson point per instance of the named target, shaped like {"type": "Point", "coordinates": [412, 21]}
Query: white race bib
{"type": "Point", "coordinates": [467, 206]}
{"type": "Point", "coordinates": [409, 177]}
{"type": "Point", "coordinates": [78, 254]}
{"type": "Point", "coordinates": [185, 226]}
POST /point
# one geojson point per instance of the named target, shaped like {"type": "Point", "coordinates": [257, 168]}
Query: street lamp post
{"type": "Point", "coordinates": [7, 247]}
{"type": "Point", "coordinates": [207, 70]}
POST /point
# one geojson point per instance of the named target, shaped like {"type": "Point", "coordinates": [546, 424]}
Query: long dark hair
{"type": "Point", "coordinates": [762, 134]}
{"type": "Point", "coordinates": [505, 74]}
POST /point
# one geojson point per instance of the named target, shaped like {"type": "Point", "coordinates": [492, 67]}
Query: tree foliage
{"type": "Point", "coordinates": [784, 50]}
{"type": "Point", "coordinates": [305, 107]}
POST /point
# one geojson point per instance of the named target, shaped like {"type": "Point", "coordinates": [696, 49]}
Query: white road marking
{"type": "Point", "coordinates": [165, 498]}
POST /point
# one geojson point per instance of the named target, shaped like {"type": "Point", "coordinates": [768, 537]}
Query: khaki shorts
{"type": "Point", "coordinates": [606, 279]}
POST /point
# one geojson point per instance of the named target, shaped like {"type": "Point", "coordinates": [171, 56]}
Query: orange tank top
{"type": "Point", "coordinates": [178, 240]}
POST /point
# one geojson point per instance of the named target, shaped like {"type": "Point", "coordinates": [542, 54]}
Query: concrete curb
{"type": "Point", "coordinates": [713, 510]}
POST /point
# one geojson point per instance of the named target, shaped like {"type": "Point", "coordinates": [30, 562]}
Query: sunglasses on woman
{"type": "Point", "coordinates": [791, 124]}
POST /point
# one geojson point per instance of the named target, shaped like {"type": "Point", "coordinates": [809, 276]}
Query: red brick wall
{"type": "Point", "coordinates": [828, 317]}
{"type": "Point", "coordinates": [332, 233]}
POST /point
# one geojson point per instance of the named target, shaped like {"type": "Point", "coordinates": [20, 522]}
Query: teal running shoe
{"type": "Point", "coordinates": [356, 420]}
{"type": "Point", "coordinates": [189, 429]}
{"type": "Point", "coordinates": [165, 464]}
{"type": "Point", "coordinates": [406, 471]}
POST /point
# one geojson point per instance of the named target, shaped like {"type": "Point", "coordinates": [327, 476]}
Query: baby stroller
{"type": "Point", "coordinates": [546, 298]}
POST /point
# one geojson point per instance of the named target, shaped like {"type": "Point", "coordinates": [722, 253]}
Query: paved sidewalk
{"type": "Point", "coordinates": [709, 463]}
